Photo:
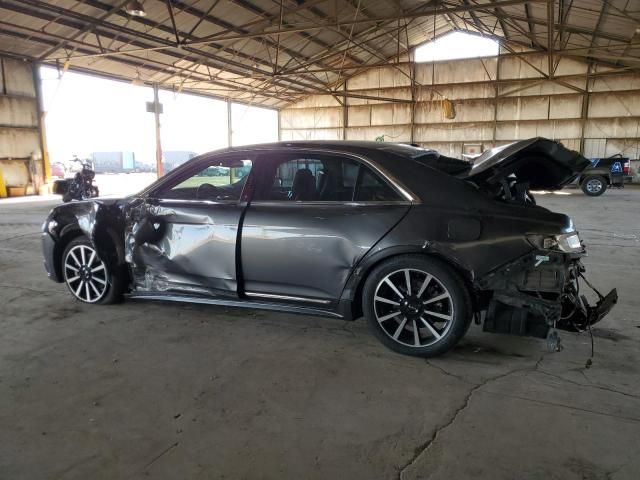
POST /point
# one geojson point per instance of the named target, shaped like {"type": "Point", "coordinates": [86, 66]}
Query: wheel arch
{"type": "Point", "coordinates": [72, 231]}
{"type": "Point", "coordinates": [351, 299]}
{"type": "Point", "coordinates": [605, 174]}
{"type": "Point", "coordinates": [66, 236]}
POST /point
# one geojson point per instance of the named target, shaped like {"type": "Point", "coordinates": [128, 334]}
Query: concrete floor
{"type": "Point", "coordinates": [161, 390]}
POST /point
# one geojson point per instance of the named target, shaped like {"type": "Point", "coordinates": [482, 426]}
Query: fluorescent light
{"type": "Point", "coordinates": [135, 8]}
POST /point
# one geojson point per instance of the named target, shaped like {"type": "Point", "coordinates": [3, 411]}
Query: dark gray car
{"type": "Point", "coordinates": [418, 243]}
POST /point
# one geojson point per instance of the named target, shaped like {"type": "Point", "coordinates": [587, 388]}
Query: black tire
{"type": "Point", "coordinates": [594, 185]}
{"type": "Point", "coordinates": [444, 282]}
{"type": "Point", "coordinates": [100, 283]}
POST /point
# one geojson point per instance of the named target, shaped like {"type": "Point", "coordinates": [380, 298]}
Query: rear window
{"type": "Point", "coordinates": [449, 165]}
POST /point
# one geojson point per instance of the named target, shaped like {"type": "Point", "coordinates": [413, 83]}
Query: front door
{"type": "Point", "coordinates": [182, 237]}
{"type": "Point", "coordinates": [312, 218]}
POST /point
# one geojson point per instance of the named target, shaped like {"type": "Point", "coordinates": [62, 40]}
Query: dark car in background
{"type": "Point", "coordinates": [418, 243]}
{"type": "Point", "coordinates": [603, 173]}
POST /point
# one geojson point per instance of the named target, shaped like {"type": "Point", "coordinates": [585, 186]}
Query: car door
{"type": "Point", "coordinates": [182, 236]}
{"type": "Point", "coordinates": [313, 216]}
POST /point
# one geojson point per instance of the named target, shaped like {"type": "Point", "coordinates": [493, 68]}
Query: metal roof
{"type": "Point", "coordinates": [273, 52]}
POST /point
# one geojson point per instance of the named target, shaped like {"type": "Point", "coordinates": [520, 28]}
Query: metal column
{"type": "Point", "coordinates": [156, 115]}
{"type": "Point", "coordinates": [37, 84]}
{"type": "Point", "coordinates": [229, 124]}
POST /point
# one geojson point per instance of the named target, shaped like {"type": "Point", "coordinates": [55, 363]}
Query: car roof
{"type": "Point", "coordinates": [362, 146]}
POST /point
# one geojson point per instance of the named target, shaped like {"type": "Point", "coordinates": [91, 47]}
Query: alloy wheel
{"type": "Point", "coordinates": [85, 274]}
{"type": "Point", "coordinates": [413, 307]}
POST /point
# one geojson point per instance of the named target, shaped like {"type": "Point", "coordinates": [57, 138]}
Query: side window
{"type": "Point", "coordinates": [323, 178]}
{"type": "Point", "coordinates": [217, 181]}
{"type": "Point", "coordinates": [309, 179]}
{"type": "Point", "coordinates": [371, 188]}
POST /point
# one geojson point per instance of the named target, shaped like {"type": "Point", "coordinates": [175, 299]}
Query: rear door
{"type": "Point", "coordinates": [313, 216]}
{"type": "Point", "coordinates": [182, 237]}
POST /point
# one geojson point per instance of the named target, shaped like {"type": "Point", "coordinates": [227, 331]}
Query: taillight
{"type": "Point", "coordinates": [625, 167]}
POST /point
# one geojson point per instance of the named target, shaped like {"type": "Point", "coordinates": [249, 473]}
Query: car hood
{"type": "Point", "coordinates": [543, 163]}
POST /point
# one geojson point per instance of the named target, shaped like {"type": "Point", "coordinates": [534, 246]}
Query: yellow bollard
{"type": "Point", "coordinates": [3, 187]}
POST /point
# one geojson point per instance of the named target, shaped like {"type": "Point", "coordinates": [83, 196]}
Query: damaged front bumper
{"type": "Point", "coordinates": [541, 291]}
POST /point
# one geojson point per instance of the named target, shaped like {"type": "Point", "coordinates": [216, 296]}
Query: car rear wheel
{"type": "Point", "coordinates": [86, 276]}
{"type": "Point", "coordinates": [416, 305]}
{"type": "Point", "coordinates": [594, 185]}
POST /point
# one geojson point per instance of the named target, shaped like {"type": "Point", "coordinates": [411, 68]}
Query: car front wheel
{"type": "Point", "coordinates": [86, 276]}
{"type": "Point", "coordinates": [416, 305]}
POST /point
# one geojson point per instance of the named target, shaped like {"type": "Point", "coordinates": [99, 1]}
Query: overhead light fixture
{"type": "Point", "coordinates": [135, 8]}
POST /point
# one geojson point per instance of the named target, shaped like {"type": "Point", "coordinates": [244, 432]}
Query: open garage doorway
{"type": "Point", "coordinates": [106, 123]}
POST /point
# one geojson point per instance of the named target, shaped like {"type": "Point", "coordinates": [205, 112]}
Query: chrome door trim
{"type": "Point", "coordinates": [287, 297]}
{"type": "Point", "coordinates": [278, 307]}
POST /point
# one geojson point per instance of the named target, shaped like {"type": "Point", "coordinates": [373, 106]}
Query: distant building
{"type": "Point", "coordinates": [113, 162]}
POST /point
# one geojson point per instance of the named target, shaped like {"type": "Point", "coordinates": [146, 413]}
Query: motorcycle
{"type": "Point", "coordinates": [80, 187]}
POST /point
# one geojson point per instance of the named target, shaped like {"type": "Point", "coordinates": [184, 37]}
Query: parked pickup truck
{"type": "Point", "coordinates": [603, 173]}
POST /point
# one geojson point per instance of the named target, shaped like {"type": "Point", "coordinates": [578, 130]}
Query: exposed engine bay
{"type": "Point", "coordinates": [542, 291]}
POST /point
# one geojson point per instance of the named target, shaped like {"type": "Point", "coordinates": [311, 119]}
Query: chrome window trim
{"type": "Point", "coordinates": [328, 203]}
{"type": "Point", "coordinates": [396, 184]}
{"type": "Point", "coordinates": [199, 202]}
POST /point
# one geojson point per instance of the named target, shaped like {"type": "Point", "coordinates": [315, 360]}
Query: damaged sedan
{"type": "Point", "coordinates": [418, 243]}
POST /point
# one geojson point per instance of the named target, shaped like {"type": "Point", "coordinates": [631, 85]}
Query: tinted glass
{"type": "Point", "coordinates": [218, 181]}
{"type": "Point", "coordinates": [371, 188]}
{"type": "Point", "coordinates": [324, 179]}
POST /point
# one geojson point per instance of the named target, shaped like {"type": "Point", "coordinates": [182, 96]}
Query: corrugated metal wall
{"type": "Point", "coordinates": [20, 146]}
{"type": "Point", "coordinates": [497, 100]}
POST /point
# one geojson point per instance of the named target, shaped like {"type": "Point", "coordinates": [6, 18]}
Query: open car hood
{"type": "Point", "coordinates": [543, 163]}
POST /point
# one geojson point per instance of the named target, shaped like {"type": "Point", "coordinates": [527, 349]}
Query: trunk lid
{"type": "Point", "coordinates": [542, 163]}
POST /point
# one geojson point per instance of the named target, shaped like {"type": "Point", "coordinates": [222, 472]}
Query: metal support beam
{"type": "Point", "coordinates": [584, 114]}
{"type": "Point", "coordinates": [230, 124]}
{"type": "Point", "coordinates": [427, 12]}
{"type": "Point", "coordinates": [529, 22]}
{"type": "Point", "coordinates": [550, 5]}
{"type": "Point", "coordinates": [345, 113]}
{"type": "Point", "coordinates": [279, 125]}
{"type": "Point", "coordinates": [173, 22]}
{"type": "Point", "coordinates": [156, 117]}
{"type": "Point", "coordinates": [37, 84]}
{"type": "Point", "coordinates": [104, 16]}
{"type": "Point", "coordinates": [412, 72]}
{"type": "Point", "coordinates": [496, 99]}
{"type": "Point", "coordinates": [151, 65]}
{"type": "Point", "coordinates": [139, 38]}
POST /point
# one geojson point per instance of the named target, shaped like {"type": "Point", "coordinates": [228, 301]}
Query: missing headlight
{"type": "Point", "coordinates": [566, 242]}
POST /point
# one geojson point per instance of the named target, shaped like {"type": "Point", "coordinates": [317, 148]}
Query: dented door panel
{"type": "Point", "coordinates": [184, 246]}
{"type": "Point", "coordinates": [309, 250]}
